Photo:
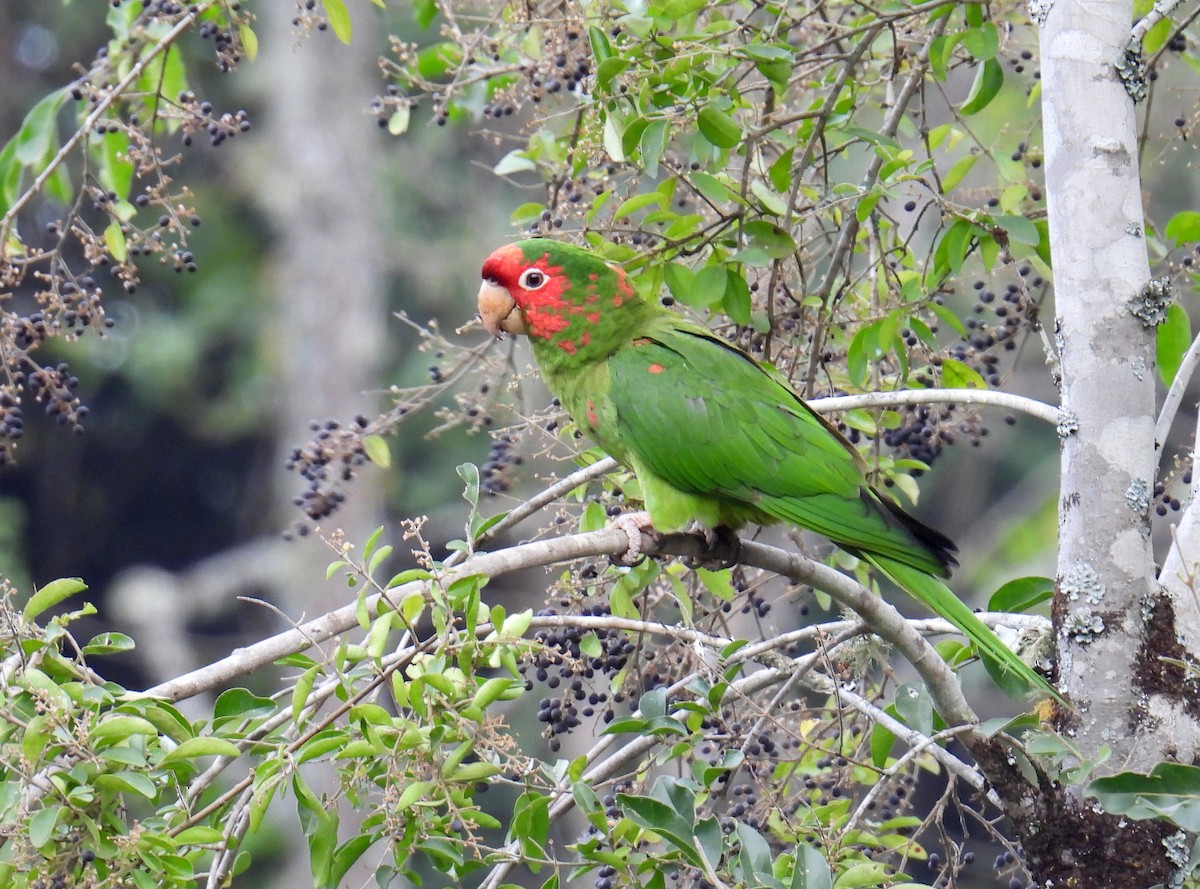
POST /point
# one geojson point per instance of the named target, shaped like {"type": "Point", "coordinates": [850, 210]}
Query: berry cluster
{"type": "Point", "coordinates": [564, 65]}
{"type": "Point", "coordinates": [923, 432]}
{"type": "Point", "coordinates": [559, 659]}
{"type": "Point", "coordinates": [308, 18]}
{"type": "Point", "coordinates": [1166, 500]}
{"type": "Point", "coordinates": [12, 425]}
{"type": "Point", "coordinates": [55, 387]}
{"type": "Point", "coordinates": [326, 462]}
{"type": "Point", "coordinates": [495, 475]}
{"type": "Point", "coordinates": [198, 117]}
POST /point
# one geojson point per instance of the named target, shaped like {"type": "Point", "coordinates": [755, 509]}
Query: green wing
{"type": "Point", "coordinates": [707, 420]}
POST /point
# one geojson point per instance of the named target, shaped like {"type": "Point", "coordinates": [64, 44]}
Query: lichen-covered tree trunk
{"type": "Point", "coordinates": [1112, 626]}
{"type": "Point", "coordinates": [1107, 361]}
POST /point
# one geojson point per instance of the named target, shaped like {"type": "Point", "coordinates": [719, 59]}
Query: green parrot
{"type": "Point", "coordinates": [714, 438]}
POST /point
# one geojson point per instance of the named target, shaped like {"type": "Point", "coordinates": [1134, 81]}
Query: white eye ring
{"type": "Point", "coordinates": [532, 279]}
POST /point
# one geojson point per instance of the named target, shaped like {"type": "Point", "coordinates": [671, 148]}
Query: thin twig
{"type": "Point", "coordinates": [1170, 406]}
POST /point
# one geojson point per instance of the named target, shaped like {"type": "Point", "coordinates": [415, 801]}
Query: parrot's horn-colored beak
{"type": "Point", "coordinates": [498, 310]}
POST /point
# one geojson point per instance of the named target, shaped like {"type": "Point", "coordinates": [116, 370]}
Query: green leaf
{"type": "Point", "coordinates": [128, 782]}
{"type": "Point", "coordinates": [601, 47]}
{"type": "Point", "coordinates": [119, 728]}
{"type": "Point", "coordinates": [780, 172]}
{"type": "Point", "coordinates": [608, 70]}
{"type": "Point", "coordinates": [339, 19]}
{"type": "Point", "coordinates": [989, 77]}
{"type": "Point", "coordinates": [38, 134]}
{"type": "Point", "coordinates": [680, 280]}
{"type": "Point", "coordinates": [240, 703]}
{"type": "Point", "coordinates": [614, 132]}
{"type": "Point", "coordinates": [108, 643]}
{"type": "Point", "coordinates": [809, 869]}
{"type": "Point", "coordinates": [1184, 228]}
{"type": "Point", "coordinates": [775, 241]}
{"type": "Point", "coordinates": [867, 873]}
{"type": "Point", "coordinates": [199, 834]}
{"type": "Point", "coordinates": [114, 238]}
{"type": "Point", "coordinates": [249, 42]}
{"type": "Point", "coordinates": [1019, 229]}
{"type": "Point", "coordinates": [712, 188]}
{"type": "Point", "coordinates": [1021, 594]}
{"type": "Point", "coordinates": [424, 12]}
{"type": "Point", "coordinates": [718, 127]}
{"type": "Point", "coordinates": [957, 172]}
{"type": "Point", "coordinates": [638, 202]}
{"type": "Point", "coordinates": [664, 820]}
{"type": "Point", "coordinates": [1174, 338]}
{"type": "Point", "coordinates": [206, 745]}
{"type": "Point", "coordinates": [915, 707]}
{"type": "Point", "coordinates": [434, 62]}
{"type": "Point", "coordinates": [736, 300]}
{"type": "Point", "coordinates": [708, 287]}
{"type": "Point", "coordinates": [51, 594]}
{"type": "Point", "coordinates": [377, 450]}
{"type": "Point", "coordinates": [1170, 791]}
{"type": "Point", "coordinates": [320, 828]}
{"type": "Point", "coordinates": [882, 740]}
{"type": "Point", "coordinates": [956, 375]}
{"type": "Point", "coordinates": [653, 143]}
{"type": "Point", "coordinates": [347, 854]}
{"type": "Point", "coordinates": [116, 169]}
{"type": "Point", "coordinates": [398, 122]}
{"type": "Point", "coordinates": [982, 42]}
{"type": "Point", "coordinates": [516, 161]}
{"type": "Point", "coordinates": [1156, 38]}
{"type": "Point", "coordinates": [41, 825]}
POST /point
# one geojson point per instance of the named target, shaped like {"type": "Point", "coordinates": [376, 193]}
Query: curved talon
{"type": "Point", "coordinates": [634, 524]}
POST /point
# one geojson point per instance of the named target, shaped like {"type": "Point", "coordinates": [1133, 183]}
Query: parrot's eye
{"type": "Point", "coordinates": [532, 279]}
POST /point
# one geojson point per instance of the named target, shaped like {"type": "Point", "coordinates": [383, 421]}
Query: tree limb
{"type": "Point", "coordinates": [1031, 406]}
{"type": "Point", "coordinates": [1174, 398]}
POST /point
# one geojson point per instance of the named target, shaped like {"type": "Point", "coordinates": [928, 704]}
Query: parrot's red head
{"type": "Point", "coordinates": [522, 295]}
{"type": "Point", "coordinates": [550, 291]}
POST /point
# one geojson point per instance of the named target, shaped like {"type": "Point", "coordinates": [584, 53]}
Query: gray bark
{"type": "Point", "coordinates": [1105, 569]}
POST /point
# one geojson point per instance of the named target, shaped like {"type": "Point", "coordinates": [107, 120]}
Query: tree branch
{"type": "Point", "coordinates": [1160, 11]}
{"type": "Point", "coordinates": [988, 397]}
{"type": "Point", "coordinates": [1174, 398]}
{"type": "Point", "coordinates": [881, 617]}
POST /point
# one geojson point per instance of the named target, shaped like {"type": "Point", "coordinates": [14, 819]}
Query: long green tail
{"type": "Point", "coordinates": [940, 599]}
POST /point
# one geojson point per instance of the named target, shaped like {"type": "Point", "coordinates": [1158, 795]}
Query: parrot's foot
{"type": "Point", "coordinates": [726, 540]}
{"type": "Point", "coordinates": [634, 524]}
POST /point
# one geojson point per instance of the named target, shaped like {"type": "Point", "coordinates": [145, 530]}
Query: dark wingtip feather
{"type": "Point", "coordinates": [934, 542]}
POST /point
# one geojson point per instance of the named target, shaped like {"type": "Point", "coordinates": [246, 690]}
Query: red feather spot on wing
{"type": "Point", "coordinates": [567, 346]}
{"type": "Point", "coordinates": [656, 368]}
{"type": "Point", "coordinates": [623, 284]}
{"type": "Point", "coordinates": [593, 316]}
{"type": "Point", "coordinates": [586, 339]}
{"type": "Point", "coordinates": [592, 416]}
{"type": "Point", "coordinates": [642, 341]}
